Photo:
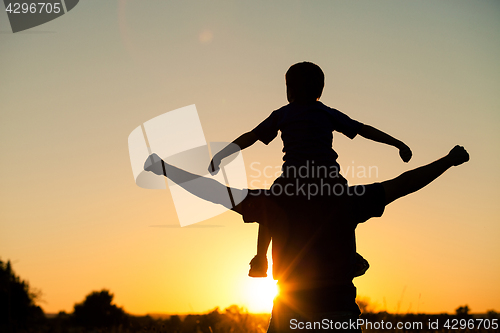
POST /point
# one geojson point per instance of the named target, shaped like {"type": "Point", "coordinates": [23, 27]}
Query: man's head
{"type": "Point", "coordinates": [304, 82]}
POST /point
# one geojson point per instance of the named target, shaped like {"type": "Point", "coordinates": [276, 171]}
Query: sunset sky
{"type": "Point", "coordinates": [72, 219]}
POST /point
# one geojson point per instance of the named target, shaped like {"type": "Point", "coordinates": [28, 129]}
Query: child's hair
{"type": "Point", "coordinates": [304, 81]}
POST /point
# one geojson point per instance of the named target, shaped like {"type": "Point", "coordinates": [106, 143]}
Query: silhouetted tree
{"type": "Point", "coordinates": [462, 311]}
{"type": "Point", "coordinates": [60, 323]}
{"type": "Point", "coordinates": [191, 323]}
{"type": "Point", "coordinates": [492, 314]}
{"type": "Point", "coordinates": [18, 310]}
{"type": "Point", "coordinates": [174, 323]}
{"type": "Point", "coordinates": [208, 322]}
{"type": "Point", "coordinates": [237, 320]}
{"type": "Point", "coordinates": [96, 311]}
{"type": "Point", "coordinates": [364, 304]}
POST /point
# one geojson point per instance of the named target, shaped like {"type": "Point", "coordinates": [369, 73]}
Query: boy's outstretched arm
{"type": "Point", "coordinates": [374, 134]}
{"type": "Point", "coordinates": [243, 141]}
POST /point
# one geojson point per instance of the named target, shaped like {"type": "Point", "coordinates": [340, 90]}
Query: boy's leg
{"type": "Point", "coordinates": [263, 240]}
{"type": "Point", "coordinates": [258, 265]}
{"type": "Point", "coordinates": [416, 179]}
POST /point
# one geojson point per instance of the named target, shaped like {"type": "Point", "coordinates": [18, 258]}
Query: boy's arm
{"type": "Point", "coordinates": [242, 142]}
{"type": "Point", "coordinates": [374, 134]}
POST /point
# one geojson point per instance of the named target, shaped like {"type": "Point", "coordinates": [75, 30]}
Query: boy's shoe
{"type": "Point", "coordinates": [258, 267]}
{"type": "Point", "coordinates": [361, 265]}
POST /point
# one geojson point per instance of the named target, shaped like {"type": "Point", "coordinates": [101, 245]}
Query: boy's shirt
{"type": "Point", "coordinates": [307, 132]}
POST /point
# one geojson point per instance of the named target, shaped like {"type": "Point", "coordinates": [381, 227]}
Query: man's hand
{"type": "Point", "coordinates": [458, 155]}
{"type": "Point", "coordinates": [154, 164]}
{"type": "Point", "coordinates": [405, 152]}
{"type": "Point", "coordinates": [214, 166]}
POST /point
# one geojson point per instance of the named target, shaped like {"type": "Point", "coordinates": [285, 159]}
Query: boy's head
{"type": "Point", "coordinates": [304, 82]}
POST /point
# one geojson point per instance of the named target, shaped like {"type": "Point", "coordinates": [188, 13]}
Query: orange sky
{"type": "Point", "coordinates": [73, 220]}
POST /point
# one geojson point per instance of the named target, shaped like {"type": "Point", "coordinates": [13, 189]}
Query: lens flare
{"type": "Point", "coordinates": [260, 293]}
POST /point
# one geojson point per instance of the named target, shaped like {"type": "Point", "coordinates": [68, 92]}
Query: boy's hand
{"type": "Point", "coordinates": [405, 152]}
{"type": "Point", "coordinates": [214, 166]}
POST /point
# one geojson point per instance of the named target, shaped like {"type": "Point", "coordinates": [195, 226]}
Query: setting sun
{"type": "Point", "coordinates": [260, 294]}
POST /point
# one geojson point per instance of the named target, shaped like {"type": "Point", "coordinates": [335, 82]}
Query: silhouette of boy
{"type": "Point", "coordinates": [310, 162]}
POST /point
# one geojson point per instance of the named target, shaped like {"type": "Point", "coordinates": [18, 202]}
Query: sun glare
{"type": "Point", "coordinates": [260, 293]}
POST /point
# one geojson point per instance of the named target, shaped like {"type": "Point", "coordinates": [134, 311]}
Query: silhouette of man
{"type": "Point", "coordinates": [314, 240]}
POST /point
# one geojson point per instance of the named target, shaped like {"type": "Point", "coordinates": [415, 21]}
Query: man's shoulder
{"type": "Point", "coordinates": [284, 108]}
{"type": "Point", "coordinates": [257, 205]}
{"type": "Point", "coordinates": [326, 108]}
{"type": "Point", "coordinates": [279, 112]}
{"type": "Point", "coordinates": [292, 108]}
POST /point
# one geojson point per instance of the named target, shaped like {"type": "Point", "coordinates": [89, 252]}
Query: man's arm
{"type": "Point", "coordinates": [242, 142]}
{"type": "Point", "coordinates": [202, 187]}
{"type": "Point", "coordinates": [415, 179]}
{"type": "Point", "coordinates": [374, 134]}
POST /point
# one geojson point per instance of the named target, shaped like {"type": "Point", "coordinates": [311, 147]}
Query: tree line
{"type": "Point", "coordinates": [19, 313]}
